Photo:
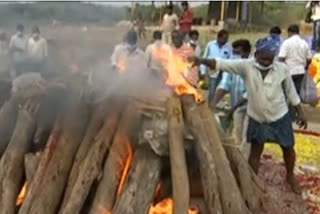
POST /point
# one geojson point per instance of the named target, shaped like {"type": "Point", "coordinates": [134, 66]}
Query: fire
{"type": "Point", "coordinates": [22, 195]}
{"type": "Point", "coordinates": [126, 165]}
{"type": "Point", "coordinates": [176, 69]}
{"type": "Point", "coordinates": [121, 65]}
{"type": "Point", "coordinates": [166, 206]}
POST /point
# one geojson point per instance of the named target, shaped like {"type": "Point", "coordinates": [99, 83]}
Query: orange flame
{"type": "Point", "coordinates": [177, 70]}
{"type": "Point", "coordinates": [22, 195]}
{"type": "Point", "coordinates": [166, 206]}
{"type": "Point", "coordinates": [121, 65]}
{"type": "Point", "coordinates": [126, 166]}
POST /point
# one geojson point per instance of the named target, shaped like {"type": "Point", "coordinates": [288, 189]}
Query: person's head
{"type": "Point", "coordinates": [157, 35]}
{"type": "Point", "coordinates": [177, 38]}
{"type": "Point", "coordinates": [194, 35]}
{"type": "Point", "coordinates": [223, 37]}
{"type": "Point", "coordinates": [132, 38]}
{"type": "Point", "coordinates": [35, 32]}
{"type": "Point", "coordinates": [266, 50]}
{"type": "Point", "coordinates": [169, 9]}
{"type": "Point", "coordinates": [293, 30]}
{"type": "Point", "coordinates": [275, 30]}
{"type": "Point", "coordinates": [241, 48]}
{"type": "Point", "coordinates": [185, 5]}
{"type": "Point", "coordinates": [20, 29]}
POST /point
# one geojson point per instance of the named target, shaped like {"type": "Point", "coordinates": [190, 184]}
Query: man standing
{"type": "Point", "coordinates": [219, 48]}
{"type": "Point", "coordinates": [269, 85]}
{"type": "Point", "coordinates": [184, 51]}
{"type": "Point", "coordinates": [185, 20]}
{"type": "Point", "coordinates": [17, 50]}
{"type": "Point", "coordinates": [295, 52]}
{"type": "Point", "coordinates": [234, 84]}
{"type": "Point", "coordinates": [37, 49]}
{"type": "Point", "coordinates": [194, 42]}
{"type": "Point", "coordinates": [169, 24]}
{"type": "Point", "coordinates": [314, 16]}
{"type": "Point", "coordinates": [157, 44]}
{"type": "Point", "coordinates": [127, 53]}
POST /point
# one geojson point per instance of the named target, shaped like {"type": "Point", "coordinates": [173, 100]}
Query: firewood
{"type": "Point", "coordinates": [95, 123]}
{"type": "Point", "coordinates": [31, 163]}
{"type": "Point", "coordinates": [8, 116]}
{"type": "Point", "coordinates": [139, 191]}
{"type": "Point", "coordinates": [230, 195]}
{"type": "Point", "coordinates": [34, 186]}
{"type": "Point", "coordinates": [55, 177]}
{"type": "Point", "coordinates": [179, 173]}
{"type": "Point", "coordinates": [91, 167]}
{"type": "Point", "coordinates": [205, 155]}
{"type": "Point", "coordinates": [120, 150]}
{"type": "Point", "coordinates": [11, 165]}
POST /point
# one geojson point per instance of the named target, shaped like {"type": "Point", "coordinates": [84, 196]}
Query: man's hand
{"type": "Point", "coordinates": [302, 121]}
{"type": "Point", "coordinates": [194, 60]}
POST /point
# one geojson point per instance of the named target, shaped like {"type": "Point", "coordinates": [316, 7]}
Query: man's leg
{"type": "Point", "coordinates": [255, 154]}
{"type": "Point", "coordinates": [317, 35]}
{"type": "Point", "coordinates": [289, 157]}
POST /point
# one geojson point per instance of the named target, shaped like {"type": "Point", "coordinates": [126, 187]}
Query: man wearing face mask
{"type": "Point", "coordinates": [269, 86]}
{"type": "Point", "coordinates": [233, 84]}
{"type": "Point", "coordinates": [17, 50]}
{"type": "Point", "coordinates": [37, 49]}
{"type": "Point", "coordinates": [127, 53]}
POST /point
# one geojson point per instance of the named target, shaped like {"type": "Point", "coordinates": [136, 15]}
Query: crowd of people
{"type": "Point", "coordinates": [263, 81]}
{"type": "Point", "coordinates": [26, 53]}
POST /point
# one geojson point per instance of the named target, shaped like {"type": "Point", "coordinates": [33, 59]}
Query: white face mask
{"type": "Point", "coordinates": [236, 56]}
{"type": "Point", "coordinates": [19, 33]}
{"type": "Point", "coordinates": [262, 67]}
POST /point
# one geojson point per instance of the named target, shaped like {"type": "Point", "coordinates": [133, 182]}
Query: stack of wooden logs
{"type": "Point", "coordinates": [73, 156]}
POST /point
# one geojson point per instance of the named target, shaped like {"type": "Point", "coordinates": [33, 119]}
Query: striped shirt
{"type": "Point", "coordinates": [184, 52]}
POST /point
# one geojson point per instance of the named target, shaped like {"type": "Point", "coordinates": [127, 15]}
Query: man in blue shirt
{"type": "Point", "coordinates": [219, 48]}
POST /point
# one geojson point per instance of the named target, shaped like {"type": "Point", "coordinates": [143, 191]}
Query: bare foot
{"type": "Point", "coordinates": [294, 184]}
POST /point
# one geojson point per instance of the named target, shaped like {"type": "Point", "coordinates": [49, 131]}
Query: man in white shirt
{"type": "Point", "coordinates": [295, 52]}
{"type": "Point", "coordinates": [269, 86]}
{"type": "Point", "coordinates": [153, 64]}
{"type": "Point", "coordinates": [127, 53]}
{"type": "Point", "coordinates": [17, 50]}
{"type": "Point", "coordinates": [169, 23]}
{"type": "Point", "coordinates": [37, 50]}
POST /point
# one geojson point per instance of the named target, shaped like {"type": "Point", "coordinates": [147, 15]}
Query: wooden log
{"type": "Point", "coordinates": [120, 151]}
{"type": "Point", "coordinates": [95, 123]}
{"type": "Point", "coordinates": [179, 172]}
{"type": "Point", "coordinates": [231, 198]}
{"type": "Point", "coordinates": [91, 167]}
{"type": "Point", "coordinates": [11, 165]}
{"type": "Point", "coordinates": [139, 190]}
{"type": "Point", "coordinates": [8, 116]}
{"type": "Point", "coordinates": [34, 186]}
{"type": "Point", "coordinates": [205, 155]}
{"type": "Point", "coordinates": [31, 163]}
{"type": "Point", "coordinates": [55, 177]}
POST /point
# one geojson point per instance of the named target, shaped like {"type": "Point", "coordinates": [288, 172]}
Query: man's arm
{"type": "Point", "coordinates": [203, 68]}
{"type": "Point", "coordinates": [223, 88]}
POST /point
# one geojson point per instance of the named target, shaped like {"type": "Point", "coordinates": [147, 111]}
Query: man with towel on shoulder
{"type": "Point", "coordinates": [269, 86]}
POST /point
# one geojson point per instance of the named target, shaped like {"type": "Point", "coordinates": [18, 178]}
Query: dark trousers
{"type": "Point", "coordinates": [297, 80]}
{"type": "Point", "coordinates": [316, 36]}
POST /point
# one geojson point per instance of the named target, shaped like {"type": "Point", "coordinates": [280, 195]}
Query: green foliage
{"type": "Point", "coordinates": [73, 12]}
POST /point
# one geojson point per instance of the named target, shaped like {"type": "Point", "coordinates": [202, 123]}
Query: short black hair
{"type": "Point", "coordinates": [243, 43]}
{"type": "Point", "coordinates": [35, 29]}
{"type": "Point", "coordinates": [294, 29]}
{"type": "Point", "coordinates": [194, 32]}
{"type": "Point", "coordinates": [170, 7]}
{"type": "Point", "coordinates": [20, 27]}
{"type": "Point", "coordinates": [157, 35]}
{"type": "Point", "coordinates": [184, 3]}
{"type": "Point", "coordinates": [223, 33]}
{"type": "Point", "coordinates": [132, 37]}
{"type": "Point", "coordinates": [275, 30]}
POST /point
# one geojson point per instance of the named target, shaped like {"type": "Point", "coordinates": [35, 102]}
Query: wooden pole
{"type": "Point", "coordinates": [238, 10]}
{"type": "Point", "coordinates": [179, 173]}
{"type": "Point", "coordinates": [222, 11]}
